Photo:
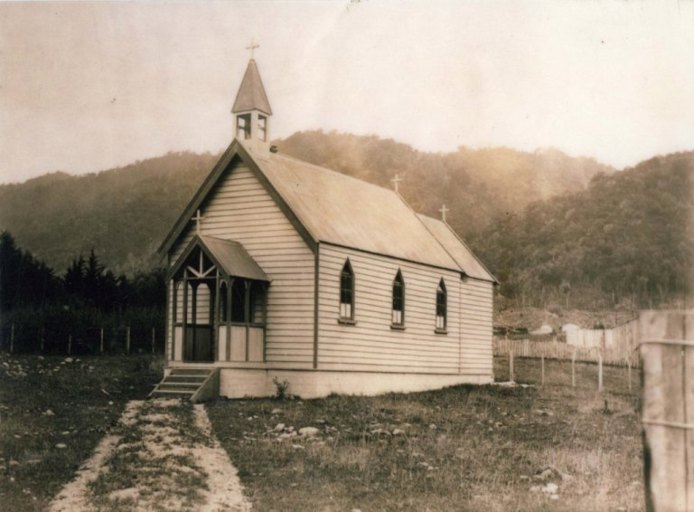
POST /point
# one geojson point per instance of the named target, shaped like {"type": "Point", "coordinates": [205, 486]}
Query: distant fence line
{"type": "Point", "coordinates": [616, 356]}
{"type": "Point", "coordinates": [56, 339]}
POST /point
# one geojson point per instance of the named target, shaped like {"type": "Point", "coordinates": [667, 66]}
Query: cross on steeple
{"type": "Point", "coordinates": [444, 211]}
{"type": "Point", "coordinates": [198, 220]}
{"type": "Point", "coordinates": [252, 46]}
{"type": "Point", "coordinates": [396, 181]}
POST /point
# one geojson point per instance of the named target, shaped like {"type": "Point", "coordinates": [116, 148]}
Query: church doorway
{"type": "Point", "coordinates": [195, 299]}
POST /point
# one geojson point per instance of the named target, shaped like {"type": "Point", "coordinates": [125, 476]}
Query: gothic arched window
{"type": "Point", "coordinates": [347, 292]}
{"type": "Point", "coordinates": [398, 313]}
{"type": "Point", "coordinates": [441, 306]}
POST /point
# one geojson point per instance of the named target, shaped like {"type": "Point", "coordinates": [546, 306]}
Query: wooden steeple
{"type": "Point", "coordinates": [251, 107]}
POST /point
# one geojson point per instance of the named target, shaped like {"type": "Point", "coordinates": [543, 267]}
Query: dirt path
{"type": "Point", "coordinates": [163, 456]}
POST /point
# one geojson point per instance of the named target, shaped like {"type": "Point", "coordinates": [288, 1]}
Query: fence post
{"type": "Point", "coordinates": [600, 372]}
{"type": "Point", "coordinates": [542, 361]}
{"type": "Point", "coordinates": [101, 341]}
{"type": "Point", "coordinates": [42, 342]}
{"type": "Point", "coordinates": [510, 365]}
{"type": "Point", "coordinates": [69, 344]}
{"type": "Point", "coordinates": [573, 369]}
{"type": "Point", "coordinates": [668, 403]}
{"type": "Point", "coordinates": [12, 338]}
{"type": "Point", "coordinates": [153, 338]}
{"type": "Point", "coordinates": [127, 340]}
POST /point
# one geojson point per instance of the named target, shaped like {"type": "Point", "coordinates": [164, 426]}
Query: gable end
{"type": "Point", "coordinates": [234, 153]}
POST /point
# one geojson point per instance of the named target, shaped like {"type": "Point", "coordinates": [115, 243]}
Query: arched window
{"type": "Point", "coordinates": [441, 306]}
{"type": "Point", "coordinates": [347, 292]}
{"type": "Point", "coordinates": [223, 302]}
{"type": "Point", "coordinates": [398, 315]}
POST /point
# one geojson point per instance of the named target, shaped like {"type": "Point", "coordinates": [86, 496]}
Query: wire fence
{"type": "Point", "coordinates": [57, 338]}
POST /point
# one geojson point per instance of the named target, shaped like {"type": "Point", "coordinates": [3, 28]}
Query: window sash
{"type": "Point", "coordinates": [347, 292]}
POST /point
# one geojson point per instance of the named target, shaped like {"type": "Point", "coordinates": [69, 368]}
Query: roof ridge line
{"type": "Point", "coordinates": [328, 169]}
{"type": "Point", "coordinates": [455, 262]}
{"type": "Point", "coordinates": [470, 251]}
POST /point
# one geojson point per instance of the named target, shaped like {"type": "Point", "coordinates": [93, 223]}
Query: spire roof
{"type": "Point", "coordinates": [251, 95]}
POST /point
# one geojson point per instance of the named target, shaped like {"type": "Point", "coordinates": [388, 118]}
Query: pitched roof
{"type": "Point", "coordinates": [251, 95]}
{"type": "Point", "coordinates": [458, 250]}
{"type": "Point", "coordinates": [327, 206]}
{"type": "Point", "coordinates": [342, 210]}
{"type": "Point", "coordinates": [228, 256]}
{"type": "Point", "coordinates": [233, 258]}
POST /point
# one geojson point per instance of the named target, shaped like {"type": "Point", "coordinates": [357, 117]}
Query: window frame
{"type": "Point", "coordinates": [262, 127]}
{"type": "Point", "coordinates": [244, 128]}
{"type": "Point", "coordinates": [398, 281]}
{"type": "Point", "coordinates": [347, 271]}
{"type": "Point", "coordinates": [441, 316]}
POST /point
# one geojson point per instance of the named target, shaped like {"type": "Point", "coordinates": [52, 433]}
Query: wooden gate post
{"type": "Point", "coordinates": [69, 344]}
{"type": "Point", "coordinates": [101, 341]}
{"type": "Point", "coordinates": [542, 362]}
{"type": "Point", "coordinates": [668, 409]}
{"type": "Point", "coordinates": [12, 338]}
{"type": "Point", "coordinates": [573, 369]}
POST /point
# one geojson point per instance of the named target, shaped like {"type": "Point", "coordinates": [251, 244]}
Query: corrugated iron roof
{"type": "Point", "coordinates": [460, 252]}
{"type": "Point", "coordinates": [346, 211]}
{"type": "Point", "coordinates": [251, 95]}
{"type": "Point", "coordinates": [233, 258]}
{"type": "Point", "coordinates": [326, 206]}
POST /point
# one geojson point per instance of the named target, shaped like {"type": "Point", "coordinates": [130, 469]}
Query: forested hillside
{"type": "Point", "coordinates": [628, 239]}
{"type": "Point", "coordinates": [477, 185]}
{"type": "Point", "coordinates": [124, 214]}
{"type": "Point", "coordinates": [552, 228]}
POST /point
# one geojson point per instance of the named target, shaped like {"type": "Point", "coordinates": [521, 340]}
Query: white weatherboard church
{"type": "Point", "coordinates": [283, 270]}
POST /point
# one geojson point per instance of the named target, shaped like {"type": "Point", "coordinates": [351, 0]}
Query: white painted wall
{"type": "Point", "coordinates": [241, 209]}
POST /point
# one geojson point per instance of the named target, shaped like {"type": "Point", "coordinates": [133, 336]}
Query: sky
{"type": "Point", "coordinates": [90, 86]}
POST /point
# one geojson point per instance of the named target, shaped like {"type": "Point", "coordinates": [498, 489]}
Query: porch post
{"type": "Point", "coordinates": [215, 319]}
{"type": "Point", "coordinates": [247, 310]}
{"type": "Point", "coordinates": [184, 313]}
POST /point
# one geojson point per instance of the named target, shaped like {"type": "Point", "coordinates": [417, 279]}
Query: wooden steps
{"type": "Point", "coordinates": [194, 384]}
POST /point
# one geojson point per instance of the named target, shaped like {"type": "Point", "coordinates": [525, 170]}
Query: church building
{"type": "Point", "coordinates": [284, 271]}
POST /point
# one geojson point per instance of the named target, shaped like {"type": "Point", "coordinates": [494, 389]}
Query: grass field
{"type": "Point", "coordinates": [464, 448]}
{"type": "Point", "coordinates": [53, 412]}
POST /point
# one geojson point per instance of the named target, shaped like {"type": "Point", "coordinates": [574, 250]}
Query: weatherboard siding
{"type": "Point", "coordinates": [476, 299]}
{"type": "Point", "coordinates": [371, 344]}
{"type": "Point", "coordinates": [240, 209]}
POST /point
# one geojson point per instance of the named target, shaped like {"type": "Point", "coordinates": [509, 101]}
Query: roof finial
{"type": "Point", "coordinates": [396, 181]}
{"type": "Point", "coordinates": [443, 211]}
{"type": "Point", "coordinates": [198, 221]}
{"type": "Point", "coordinates": [252, 46]}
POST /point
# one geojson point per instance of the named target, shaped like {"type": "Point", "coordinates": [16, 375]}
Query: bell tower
{"type": "Point", "coordinates": [251, 108]}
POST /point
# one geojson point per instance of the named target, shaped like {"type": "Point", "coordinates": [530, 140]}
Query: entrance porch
{"type": "Point", "coordinates": [218, 304]}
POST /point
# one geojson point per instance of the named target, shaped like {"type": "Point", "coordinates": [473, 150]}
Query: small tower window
{"type": "Point", "coordinates": [243, 126]}
{"type": "Point", "coordinates": [262, 127]}
{"type": "Point", "coordinates": [347, 292]}
{"type": "Point", "coordinates": [441, 307]}
{"type": "Point", "coordinates": [398, 314]}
